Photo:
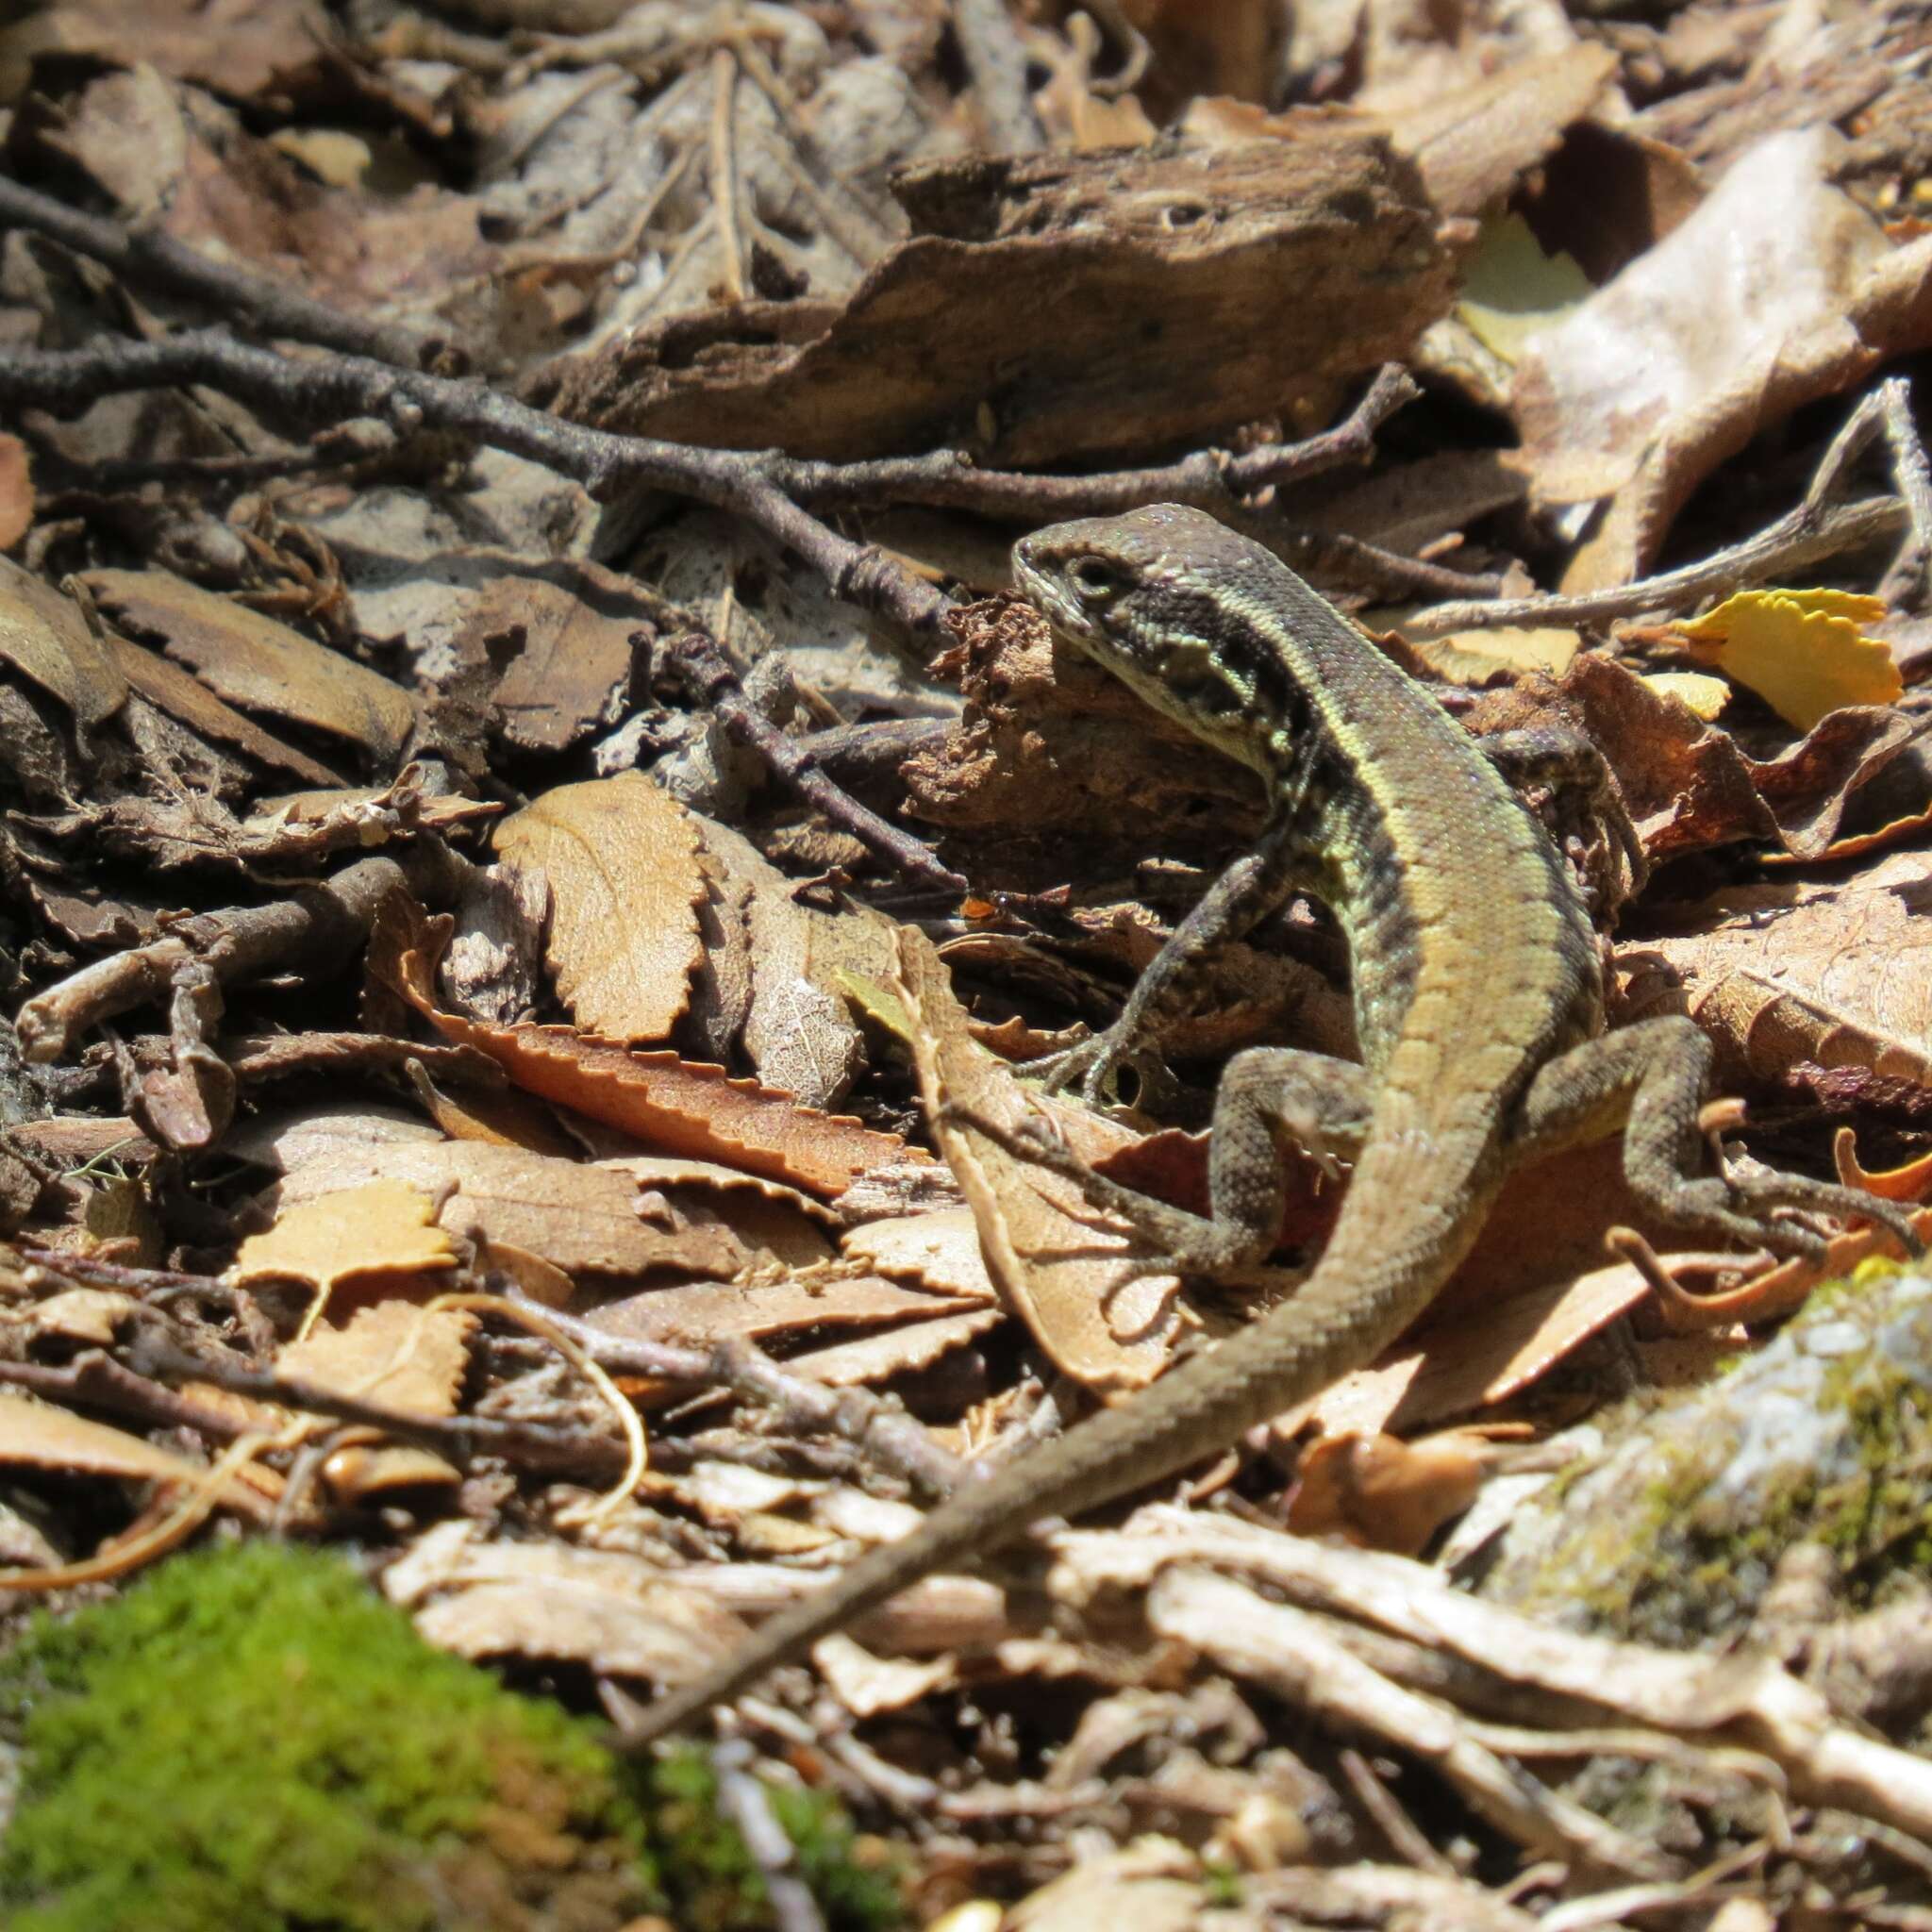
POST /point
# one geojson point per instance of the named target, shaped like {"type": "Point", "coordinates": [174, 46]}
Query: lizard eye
{"type": "Point", "coordinates": [1094, 579]}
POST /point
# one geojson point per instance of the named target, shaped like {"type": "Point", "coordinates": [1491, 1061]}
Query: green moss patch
{"type": "Point", "coordinates": [250, 1739]}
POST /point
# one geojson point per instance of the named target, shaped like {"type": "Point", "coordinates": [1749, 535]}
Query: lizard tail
{"type": "Point", "coordinates": [1375, 1277]}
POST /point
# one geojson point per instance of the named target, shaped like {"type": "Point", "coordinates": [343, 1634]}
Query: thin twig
{"type": "Point", "coordinates": [711, 681]}
{"type": "Point", "coordinates": [606, 465]}
{"type": "Point", "coordinates": [1803, 536]}
{"type": "Point", "coordinates": [1800, 538]}
{"type": "Point", "coordinates": [891, 1438]}
{"type": "Point", "coordinates": [148, 258]}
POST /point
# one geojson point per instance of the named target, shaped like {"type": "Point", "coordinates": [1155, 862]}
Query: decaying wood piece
{"type": "Point", "coordinates": [1057, 305]}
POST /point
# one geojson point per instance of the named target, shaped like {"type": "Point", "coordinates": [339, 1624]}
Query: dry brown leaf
{"type": "Point", "coordinates": [620, 856]}
{"type": "Point", "coordinates": [573, 626]}
{"type": "Point", "coordinates": [797, 1026]}
{"type": "Point", "coordinates": [45, 639]}
{"type": "Point", "coordinates": [258, 664]}
{"type": "Point", "coordinates": [16, 491]}
{"type": "Point", "coordinates": [1688, 786]}
{"type": "Point", "coordinates": [679, 1106]}
{"type": "Point", "coordinates": [394, 1354]}
{"type": "Point", "coordinates": [938, 1250]}
{"type": "Point", "coordinates": [184, 698]}
{"type": "Point", "coordinates": [876, 1358]}
{"type": "Point", "coordinates": [1838, 973]}
{"type": "Point", "coordinates": [384, 1229]}
{"type": "Point", "coordinates": [1097, 1319]}
{"type": "Point", "coordinates": [697, 1313]}
{"type": "Point", "coordinates": [579, 1218]}
{"type": "Point", "coordinates": [1778, 290]}
{"type": "Point", "coordinates": [39, 1436]}
{"type": "Point", "coordinates": [615, 1613]}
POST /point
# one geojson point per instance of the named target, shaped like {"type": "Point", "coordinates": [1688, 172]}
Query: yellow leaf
{"type": "Point", "coordinates": [1706, 696]}
{"type": "Point", "coordinates": [1802, 651]}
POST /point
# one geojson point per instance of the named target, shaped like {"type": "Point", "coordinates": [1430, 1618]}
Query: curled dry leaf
{"type": "Point", "coordinates": [681, 1107]}
{"type": "Point", "coordinates": [258, 664]}
{"type": "Point", "coordinates": [620, 856]}
{"type": "Point", "coordinates": [1071, 1282]}
{"type": "Point", "coordinates": [1778, 290]}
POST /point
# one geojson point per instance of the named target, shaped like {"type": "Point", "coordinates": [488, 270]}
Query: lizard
{"type": "Point", "coordinates": [1478, 991]}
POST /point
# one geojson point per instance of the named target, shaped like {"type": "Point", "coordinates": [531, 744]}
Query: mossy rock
{"type": "Point", "coordinates": [251, 1740]}
{"type": "Point", "coordinates": [1821, 1440]}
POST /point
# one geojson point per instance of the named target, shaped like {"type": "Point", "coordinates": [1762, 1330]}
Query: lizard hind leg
{"type": "Point", "coordinates": [1652, 1077]}
{"type": "Point", "coordinates": [1267, 1095]}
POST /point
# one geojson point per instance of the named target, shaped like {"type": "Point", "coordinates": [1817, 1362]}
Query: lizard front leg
{"type": "Point", "coordinates": [1583, 792]}
{"type": "Point", "coordinates": [1653, 1078]}
{"type": "Point", "coordinates": [1268, 1095]}
{"type": "Point", "coordinates": [1252, 887]}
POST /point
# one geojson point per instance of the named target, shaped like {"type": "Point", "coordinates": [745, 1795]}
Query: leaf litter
{"type": "Point", "coordinates": [568, 1060]}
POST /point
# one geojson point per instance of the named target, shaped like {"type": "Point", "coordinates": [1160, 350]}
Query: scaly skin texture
{"type": "Point", "coordinates": [1478, 997]}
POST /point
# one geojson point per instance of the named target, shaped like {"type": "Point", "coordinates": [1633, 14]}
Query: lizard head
{"type": "Point", "coordinates": [1154, 596]}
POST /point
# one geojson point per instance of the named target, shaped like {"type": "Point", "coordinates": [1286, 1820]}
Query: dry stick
{"type": "Point", "coordinates": [1803, 536]}
{"type": "Point", "coordinates": [764, 487]}
{"type": "Point", "coordinates": [889, 1438]}
{"type": "Point", "coordinates": [853, 219]}
{"type": "Point", "coordinates": [317, 925]}
{"type": "Point", "coordinates": [148, 258]}
{"type": "Point", "coordinates": [606, 465]}
{"type": "Point", "coordinates": [711, 681]}
{"type": "Point", "coordinates": [724, 182]}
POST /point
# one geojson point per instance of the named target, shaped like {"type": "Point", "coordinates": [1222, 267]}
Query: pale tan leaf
{"type": "Point", "coordinates": [576, 1216]}
{"type": "Point", "coordinates": [1069, 1280]}
{"type": "Point", "coordinates": [899, 1351]}
{"type": "Point", "coordinates": [939, 1251]}
{"type": "Point", "coordinates": [39, 1436]}
{"type": "Point", "coordinates": [621, 859]}
{"type": "Point", "coordinates": [1834, 972]}
{"type": "Point", "coordinates": [699, 1312]}
{"type": "Point", "coordinates": [395, 1355]}
{"type": "Point", "coordinates": [258, 664]}
{"type": "Point", "coordinates": [385, 1227]}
